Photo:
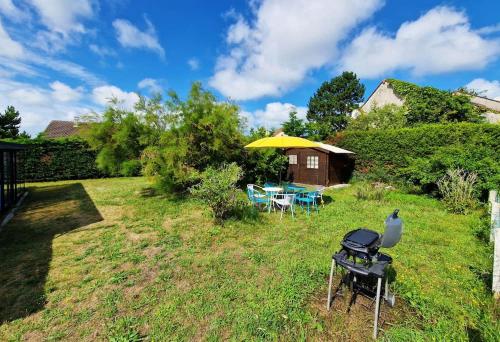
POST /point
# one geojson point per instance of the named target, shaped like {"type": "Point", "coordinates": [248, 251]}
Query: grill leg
{"type": "Point", "coordinates": [386, 291]}
{"type": "Point", "coordinates": [329, 301]}
{"type": "Point", "coordinates": [377, 308]}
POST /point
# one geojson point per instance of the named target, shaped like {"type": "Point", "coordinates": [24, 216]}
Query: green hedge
{"type": "Point", "coordinates": [423, 153]}
{"type": "Point", "coordinates": [51, 160]}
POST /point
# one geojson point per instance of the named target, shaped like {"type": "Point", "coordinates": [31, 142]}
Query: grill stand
{"type": "Point", "coordinates": [387, 295]}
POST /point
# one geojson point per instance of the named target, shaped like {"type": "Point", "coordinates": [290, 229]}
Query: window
{"type": "Point", "coordinates": [312, 162]}
{"type": "Point", "coordinates": [292, 159]}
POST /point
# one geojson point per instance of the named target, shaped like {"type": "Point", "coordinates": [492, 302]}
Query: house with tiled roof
{"type": "Point", "coordinates": [62, 129]}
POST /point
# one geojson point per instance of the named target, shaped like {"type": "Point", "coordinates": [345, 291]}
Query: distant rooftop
{"type": "Point", "coordinates": [61, 129]}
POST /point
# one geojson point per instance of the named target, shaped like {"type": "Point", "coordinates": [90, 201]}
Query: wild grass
{"type": "Point", "coordinates": [107, 260]}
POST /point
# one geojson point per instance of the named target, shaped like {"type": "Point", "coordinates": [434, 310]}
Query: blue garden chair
{"type": "Point", "coordinates": [257, 195]}
{"type": "Point", "coordinates": [308, 200]}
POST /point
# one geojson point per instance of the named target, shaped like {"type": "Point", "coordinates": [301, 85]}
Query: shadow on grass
{"type": "Point", "coordinates": [26, 244]}
{"type": "Point", "coordinates": [327, 199]}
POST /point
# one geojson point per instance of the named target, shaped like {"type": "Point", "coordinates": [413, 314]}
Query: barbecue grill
{"type": "Point", "coordinates": [365, 266]}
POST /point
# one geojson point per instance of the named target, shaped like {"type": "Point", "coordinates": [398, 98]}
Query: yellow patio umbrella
{"type": "Point", "coordinates": [282, 142]}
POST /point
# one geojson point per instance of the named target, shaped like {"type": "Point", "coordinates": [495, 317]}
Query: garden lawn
{"type": "Point", "coordinates": [110, 259]}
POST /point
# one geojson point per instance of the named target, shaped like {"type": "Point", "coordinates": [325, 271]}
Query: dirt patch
{"type": "Point", "coordinates": [355, 322]}
{"type": "Point", "coordinates": [33, 336]}
{"type": "Point", "coordinates": [152, 251]}
{"type": "Point", "coordinates": [114, 213]}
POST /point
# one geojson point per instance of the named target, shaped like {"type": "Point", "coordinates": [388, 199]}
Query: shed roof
{"type": "Point", "coordinates": [334, 149]}
{"type": "Point", "coordinates": [11, 146]}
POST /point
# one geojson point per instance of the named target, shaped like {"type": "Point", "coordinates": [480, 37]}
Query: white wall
{"type": "Point", "coordinates": [382, 96]}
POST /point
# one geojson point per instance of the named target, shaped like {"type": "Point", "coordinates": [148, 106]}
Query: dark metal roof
{"type": "Point", "coordinates": [11, 146]}
{"type": "Point", "coordinates": [61, 129]}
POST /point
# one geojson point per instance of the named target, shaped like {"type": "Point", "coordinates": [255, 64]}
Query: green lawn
{"type": "Point", "coordinates": [107, 259]}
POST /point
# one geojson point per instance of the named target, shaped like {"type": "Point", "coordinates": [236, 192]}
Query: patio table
{"type": "Point", "coordinates": [271, 191]}
{"type": "Point", "coordinates": [295, 188]}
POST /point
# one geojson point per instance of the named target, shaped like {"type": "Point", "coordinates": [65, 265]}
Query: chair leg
{"type": "Point", "coordinates": [329, 301]}
{"type": "Point", "coordinates": [377, 308]}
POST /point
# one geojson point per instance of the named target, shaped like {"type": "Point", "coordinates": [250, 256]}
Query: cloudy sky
{"type": "Point", "coordinates": [63, 58]}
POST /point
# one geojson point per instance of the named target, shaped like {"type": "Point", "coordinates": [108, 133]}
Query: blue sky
{"type": "Point", "coordinates": [64, 58]}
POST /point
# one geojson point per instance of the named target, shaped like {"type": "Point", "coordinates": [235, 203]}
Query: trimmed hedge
{"type": "Point", "coordinates": [427, 150]}
{"type": "Point", "coordinates": [52, 160]}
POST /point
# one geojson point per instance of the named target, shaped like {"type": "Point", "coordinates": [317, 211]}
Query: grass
{"type": "Point", "coordinates": [107, 260]}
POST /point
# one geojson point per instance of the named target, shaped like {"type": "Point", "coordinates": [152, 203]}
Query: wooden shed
{"type": "Point", "coordinates": [11, 174]}
{"type": "Point", "coordinates": [326, 165]}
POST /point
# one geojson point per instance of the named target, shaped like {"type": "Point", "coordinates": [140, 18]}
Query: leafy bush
{"type": "Point", "coordinates": [431, 105]}
{"type": "Point", "coordinates": [426, 171]}
{"type": "Point", "coordinates": [203, 132]}
{"type": "Point", "coordinates": [119, 137]}
{"type": "Point", "coordinates": [218, 189]}
{"type": "Point", "coordinates": [51, 160]}
{"type": "Point", "coordinates": [386, 117]}
{"type": "Point", "coordinates": [457, 189]}
{"type": "Point", "coordinates": [421, 155]}
{"type": "Point", "coordinates": [131, 168]}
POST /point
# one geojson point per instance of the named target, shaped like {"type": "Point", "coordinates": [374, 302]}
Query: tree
{"type": "Point", "coordinates": [386, 117]}
{"type": "Point", "coordinates": [10, 121]}
{"type": "Point", "coordinates": [119, 138]}
{"type": "Point", "coordinates": [333, 102]}
{"type": "Point", "coordinates": [203, 132]}
{"type": "Point", "coordinates": [294, 127]}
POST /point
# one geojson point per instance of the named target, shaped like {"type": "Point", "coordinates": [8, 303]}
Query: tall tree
{"type": "Point", "coordinates": [294, 127]}
{"type": "Point", "coordinates": [10, 121]}
{"type": "Point", "coordinates": [202, 132]}
{"type": "Point", "coordinates": [334, 101]}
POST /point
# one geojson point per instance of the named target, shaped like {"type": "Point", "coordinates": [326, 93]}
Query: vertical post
{"type": "Point", "coordinates": [495, 237]}
{"type": "Point", "coordinates": [494, 207]}
{"type": "Point", "coordinates": [2, 181]}
{"type": "Point", "coordinates": [496, 265]}
{"type": "Point", "coordinates": [377, 308]}
{"type": "Point", "coordinates": [329, 301]}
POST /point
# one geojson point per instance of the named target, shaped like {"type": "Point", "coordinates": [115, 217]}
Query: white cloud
{"type": "Point", "coordinates": [489, 29]}
{"type": "Point", "coordinates": [439, 41]}
{"type": "Point", "coordinates": [130, 36]}
{"type": "Point", "coordinates": [285, 41]}
{"type": "Point", "coordinates": [37, 105]}
{"type": "Point", "coordinates": [274, 114]}
{"type": "Point", "coordinates": [63, 20]}
{"type": "Point", "coordinates": [9, 47]}
{"type": "Point", "coordinates": [490, 89]}
{"type": "Point", "coordinates": [103, 94]}
{"type": "Point", "coordinates": [64, 16]}
{"type": "Point", "coordinates": [16, 59]}
{"type": "Point", "coordinates": [102, 51]}
{"type": "Point", "coordinates": [68, 68]}
{"type": "Point", "coordinates": [10, 10]}
{"type": "Point", "coordinates": [193, 63]}
{"type": "Point", "coordinates": [63, 92]}
{"type": "Point", "coordinates": [150, 84]}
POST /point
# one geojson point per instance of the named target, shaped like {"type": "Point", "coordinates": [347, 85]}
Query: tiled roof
{"type": "Point", "coordinates": [61, 129]}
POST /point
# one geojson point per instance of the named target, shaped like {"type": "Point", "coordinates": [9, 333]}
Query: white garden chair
{"type": "Point", "coordinates": [284, 202]}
